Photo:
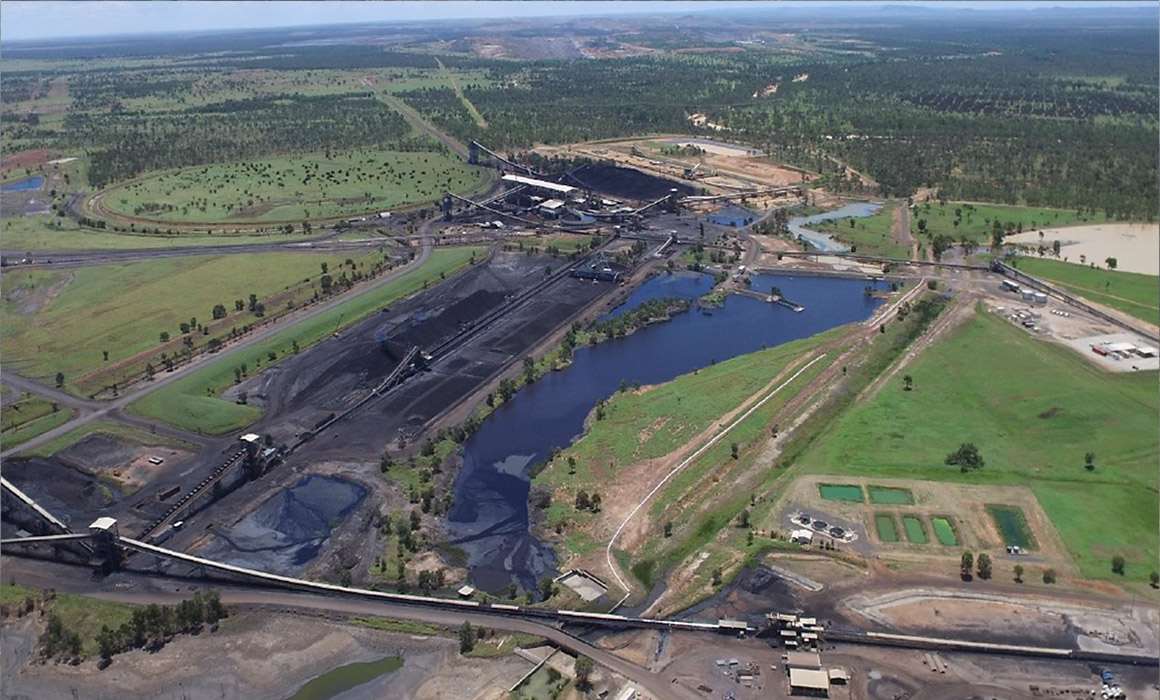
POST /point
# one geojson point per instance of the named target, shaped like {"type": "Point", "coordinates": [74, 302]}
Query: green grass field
{"type": "Point", "coordinates": [28, 417]}
{"type": "Point", "coordinates": [64, 320]}
{"type": "Point", "coordinates": [1033, 409]}
{"type": "Point", "coordinates": [869, 235]}
{"type": "Point", "coordinates": [1132, 293]}
{"type": "Point", "coordinates": [977, 220]}
{"type": "Point", "coordinates": [192, 402]}
{"type": "Point", "coordinates": [22, 233]}
{"type": "Point", "coordinates": [294, 188]}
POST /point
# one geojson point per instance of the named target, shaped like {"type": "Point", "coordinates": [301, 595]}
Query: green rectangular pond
{"type": "Point", "coordinates": [842, 492]}
{"type": "Point", "coordinates": [891, 496]}
{"type": "Point", "coordinates": [886, 527]}
{"type": "Point", "coordinates": [915, 532]}
{"type": "Point", "coordinates": [944, 530]}
{"type": "Point", "coordinates": [1012, 526]}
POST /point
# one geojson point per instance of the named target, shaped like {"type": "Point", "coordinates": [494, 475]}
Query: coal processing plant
{"type": "Point", "coordinates": [586, 196]}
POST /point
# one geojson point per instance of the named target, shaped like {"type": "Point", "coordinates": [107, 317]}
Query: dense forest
{"type": "Point", "coordinates": [1058, 109]}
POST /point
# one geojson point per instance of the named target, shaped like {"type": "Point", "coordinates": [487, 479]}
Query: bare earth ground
{"type": "Point", "coordinates": [1136, 247]}
{"type": "Point", "coordinates": [260, 656]}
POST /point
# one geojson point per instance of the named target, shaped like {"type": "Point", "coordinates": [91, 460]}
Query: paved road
{"type": "Point", "coordinates": [113, 409]}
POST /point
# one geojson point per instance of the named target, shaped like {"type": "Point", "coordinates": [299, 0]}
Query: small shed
{"type": "Point", "coordinates": [839, 676]}
{"type": "Point", "coordinates": [806, 681]}
{"type": "Point", "coordinates": [466, 591]}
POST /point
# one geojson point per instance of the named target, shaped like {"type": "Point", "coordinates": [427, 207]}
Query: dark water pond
{"type": "Point", "coordinates": [489, 520]}
{"type": "Point", "coordinates": [32, 183]}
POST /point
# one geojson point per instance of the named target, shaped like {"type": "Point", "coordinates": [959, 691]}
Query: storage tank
{"type": "Point", "coordinates": [1040, 298]}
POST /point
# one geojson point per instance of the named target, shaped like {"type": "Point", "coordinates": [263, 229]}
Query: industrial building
{"type": "Point", "coordinates": [810, 682]}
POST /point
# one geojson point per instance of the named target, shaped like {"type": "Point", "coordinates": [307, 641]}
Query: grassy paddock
{"type": "Point", "coordinates": [1130, 292]}
{"type": "Point", "coordinates": [23, 233]}
{"type": "Point", "coordinates": [870, 234]}
{"type": "Point", "coordinates": [79, 614]}
{"type": "Point", "coordinates": [192, 402]}
{"type": "Point", "coordinates": [294, 188]}
{"type": "Point", "coordinates": [63, 320]}
{"type": "Point", "coordinates": [1033, 409]}
{"type": "Point", "coordinates": [977, 220]}
{"type": "Point", "coordinates": [28, 417]}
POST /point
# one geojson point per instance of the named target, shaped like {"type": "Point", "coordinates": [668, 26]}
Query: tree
{"type": "Point", "coordinates": [1111, 263]}
{"type": "Point", "coordinates": [547, 588]}
{"type": "Point", "coordinates": [1018, 573]}
{"type": "Point", "coordinates": [219, 311]}
{"type": "Point", "coordinates": [1055, 247]}
{"type": "Point", "coordinates": [1118, 565]}
{"type": "Point", "coordinates": [239, 305]}
{"type": "Point", "coordinates": [582, 502]}
{"type": "Point", "coordinates": [743, 518]}
{"type": "Point", "coordinates": [584, 667]}
{"type": "Point", "coordinates": [164, 337]}
{"type": "Point", "coordinates": [1154, 579]}
{"type": "Point", "coordinates": [984, 566]}
{"type": "Point", "coordinates": [1089, 461]}
{"type": "Point", "coordinates": [717, 576]}
{"type": "Point", "coordinates": [908, 383]}
{"type": "Point", "coordinates": [734, 450]}
{"type": "Point", "coordinates": [966, 563]}
{"type": "Point", "coordinates": [668, 528]}
{"type": "Point", "coordinates": [967, 457]}
{"type": "Point", "coordinates": [59, 379]}
{"type": "Point", "coordinates": [466, 638]}
{"type": "Point", "coordinates": [1049, 575]}
{"type": "Point", "coordinates": [595, 503]}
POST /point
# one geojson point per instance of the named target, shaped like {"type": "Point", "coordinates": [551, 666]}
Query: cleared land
{"type": "Point", "coordinates": [64, 320]}
{"type": "Point", "coordinates": [192, 403]}
{"type": "Point", "coordinates": [1132, 293]}
{"type": "Point", "coordinates": [1033, 409]}
{"type": "Point", "coordinates": [869, 235]}
{"type": "Point", "coordinates": [975, 222]}
{"type": "Point", "coordinates": [293, 188]}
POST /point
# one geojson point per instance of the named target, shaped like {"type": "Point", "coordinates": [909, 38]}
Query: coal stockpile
{"type": "Point", "coordinates": [329, 375]}
{"type": "Point", "coordinates": [74, 497]}
{"type": "Point", "coordinates": [629, 183]}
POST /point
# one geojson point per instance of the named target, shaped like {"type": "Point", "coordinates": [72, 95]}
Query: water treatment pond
{"type": "Point", "coordinates": [945, 531]}
{"type": "Point", "coordinates": [891, 496]}
{"type": "Point", "coordinates": [841, 492]}
{"type": "Point", "coordinates": [1012, 526]}
{"type": "Point", "coordinates": [489, 519]}
{"type": "Point", "coordinates": [824, 241]}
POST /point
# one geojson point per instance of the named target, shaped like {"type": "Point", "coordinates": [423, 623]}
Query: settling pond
{"type": "Point", "coordinates": [489, 519]}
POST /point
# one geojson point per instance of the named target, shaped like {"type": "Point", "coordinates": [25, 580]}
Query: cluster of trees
{"type": "Point", "coordinates": [967, 457]}
{"type": "Point", "coordinates": [645, 313]}
{"type": "Point", "coordinates": [154, 625]}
